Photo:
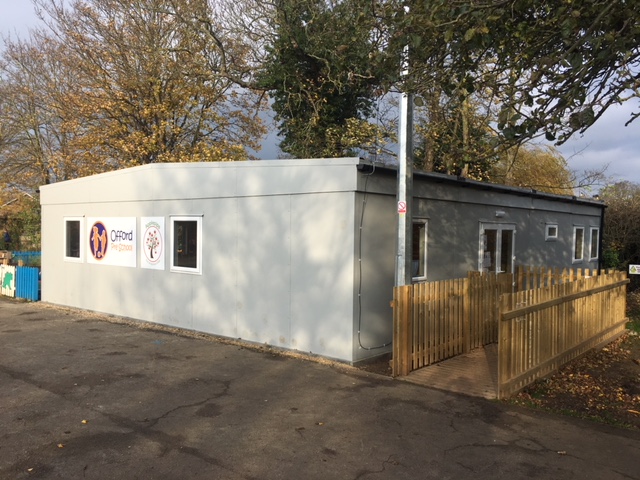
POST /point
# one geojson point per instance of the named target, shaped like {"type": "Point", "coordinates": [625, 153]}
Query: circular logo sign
{"type": "Point", "coordinates": [152, 242]}
{"type": "Point", "coordinates": [98, 240]}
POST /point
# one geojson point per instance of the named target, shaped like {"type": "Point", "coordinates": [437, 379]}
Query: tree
{"type": "Point", "coordinates": [115, 84]}
{"type": "Point", "coordinates": [159, 80]}
{"type": "Point", "coordinates": [454, 136]}
{"type": "Point", "coordinates": [239, 29]}
{"type": "Point", "coordinates": [36, 132]}
{"type": "Point", "coordinates": [540, 168]}
{"type": "Point", "coordinates": [553, 67]}
{"type": "Point", "coordinates": [320, 73]}
{"type": "Point", "coordinates": [148, 88]}
{"type": "Point", "coordinates": [19, 219]}
{"type": "Point", "coordinates": [539, 68]}
{"type": "Point", "coordinates": [621, 236]}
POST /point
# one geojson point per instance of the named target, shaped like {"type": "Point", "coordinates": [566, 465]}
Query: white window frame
{"type": "Point", "coordinates": [481, 247]}
{"type": "Point", "coordinates": [80, 257]}
{"type": "Point", "coordinates": [197, 270]}
{"type": "Point", "coordinates": [574, 252]}
{"type": "Point", "coordinates": [423, 241]}
{"type": "Point", "coordinates": [593, 230]}
{"type": "Point", "coordinates": [547, 234]}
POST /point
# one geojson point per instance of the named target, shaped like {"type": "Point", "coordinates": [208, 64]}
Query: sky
{"type": "Point", "coordinates": [607, 143]}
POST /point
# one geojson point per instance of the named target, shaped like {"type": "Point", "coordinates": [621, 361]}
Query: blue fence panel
{"type": "Point", "coordinates": [28, 283]}
{"type": "Point", "coordinates": [28, 258]}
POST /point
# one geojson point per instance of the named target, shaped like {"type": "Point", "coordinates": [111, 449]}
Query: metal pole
{"type": "Point", "coordinates": [405, 187]}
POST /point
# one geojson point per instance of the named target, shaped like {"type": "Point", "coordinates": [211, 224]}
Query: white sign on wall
{"type": "Point", "coordinates": [112, 241]}
{"type": "Point", "coordinates": [152, 243]}
{"type": "Point", "coordinates": [634, 269]}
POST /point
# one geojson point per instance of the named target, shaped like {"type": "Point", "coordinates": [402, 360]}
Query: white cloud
{"type": "Point", "coordinates": [609, 142]}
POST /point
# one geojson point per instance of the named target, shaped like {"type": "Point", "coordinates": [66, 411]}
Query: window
{"type": "Point", "coordinates": [551, 232]}
{"type": "Point", "coordinates": [73, 239]}
{"type": "Point", "coordinates": [578, 244]}
{"type": "Point", "coordinates": [496, 248]}
{"type": "Point", "coordinates": [419, 250]}
{"type": "Point", "coordinates": [594, 244]}
{"type": "Point", "coordinates": [186, 244]}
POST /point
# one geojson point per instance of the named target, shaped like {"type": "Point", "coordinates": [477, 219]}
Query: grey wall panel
{"type": "Point", "coordinates": [454, 229]}
{"type": "Point", "coordinates": [264, 269]}
{"type": "Point", "coordinates": [215, 300]}
{"type": "Point", "coordinates": [206, 180]}
{"type": "Point", "coordinates": [374, 274]}
{"type": "Point", "coordinates": [322, 258]}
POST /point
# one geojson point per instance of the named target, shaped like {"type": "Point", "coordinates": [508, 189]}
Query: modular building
{"type": "Point", "coordinates": [297, 254]}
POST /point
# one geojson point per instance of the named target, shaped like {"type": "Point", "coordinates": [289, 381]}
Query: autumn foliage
{"type": "Point", "coordinates": [114, 83]}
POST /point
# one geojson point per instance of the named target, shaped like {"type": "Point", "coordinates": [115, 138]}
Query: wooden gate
{"type": "Point", "coordinates": [434, 321]}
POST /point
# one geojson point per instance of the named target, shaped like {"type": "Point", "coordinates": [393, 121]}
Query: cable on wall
{"type": "Point", "coordinates": [364, 204]}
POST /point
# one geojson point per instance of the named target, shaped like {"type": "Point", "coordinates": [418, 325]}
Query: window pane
{"type": "Point", "coordinates": [419, 250]}
{"type": "Point", "coordinates": [506, 253]}
{"type": "Point", "coordinates": [489, 250]}
{"type": "Point", "coordinates": [579, 242]}
{"type": "Point", "coordinates": [185, 243]}
{"type": "Point", "coordinates": [72, 236]}
{"type": "Point", "coordinates": [594, 242]}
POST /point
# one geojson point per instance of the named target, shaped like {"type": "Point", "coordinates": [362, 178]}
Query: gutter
{"type": "Point", "coordinates": [468, 183]}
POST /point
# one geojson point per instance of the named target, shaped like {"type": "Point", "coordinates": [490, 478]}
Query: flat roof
{"type": "Point", "coordinates": [142, 177]}
{"type": "Point", "coordinates": [464, 182]}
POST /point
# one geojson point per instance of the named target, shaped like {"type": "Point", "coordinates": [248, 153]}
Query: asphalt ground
{"type": "Point", "coordinates": [84, 395]}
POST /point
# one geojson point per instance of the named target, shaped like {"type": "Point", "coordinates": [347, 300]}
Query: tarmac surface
{"type": "Point", "coordinates": [84, 395]}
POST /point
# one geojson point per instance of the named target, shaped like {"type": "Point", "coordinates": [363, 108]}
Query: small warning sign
{"type": "Point", "coordinates": [402, 207]}
{"type": "Point", "coordinates": [634, 269]}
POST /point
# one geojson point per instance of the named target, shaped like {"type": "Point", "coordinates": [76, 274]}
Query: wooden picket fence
{"type": "Point", "coordinates": [543, 328]}
{"type": "Point", "coordinates": [529, 278]}
{"type": "Point", "coordinates": [437, 320]}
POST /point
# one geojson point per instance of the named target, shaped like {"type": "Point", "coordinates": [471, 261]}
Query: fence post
{"type": "Point", "coordinates": [466, 315]}
{"type": "Point", "coordinates": [504, 344]}
{"type": "Point", "coordinates": [402, 338]}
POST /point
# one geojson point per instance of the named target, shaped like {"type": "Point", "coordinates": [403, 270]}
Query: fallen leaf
{"type": "Point", "coordinates": [85, 421]}
{"type": "Point", "coordinates": [60, 445]}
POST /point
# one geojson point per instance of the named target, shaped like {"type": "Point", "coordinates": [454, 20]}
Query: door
{"type": "Point", "coordinates": [496, 248]}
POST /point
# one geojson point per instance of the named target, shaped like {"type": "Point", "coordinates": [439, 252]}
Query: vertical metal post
{"type": "Point", "coordinates": [405, 186]}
